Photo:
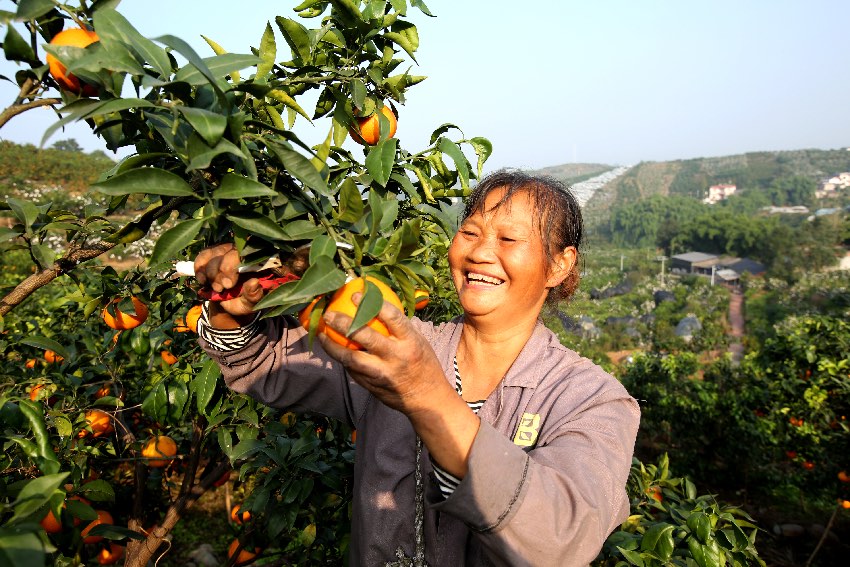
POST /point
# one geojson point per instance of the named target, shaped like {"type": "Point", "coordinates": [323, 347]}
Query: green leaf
{"type": "Point", "coordinates": [298, 39]}
{"type": "Point", "coordinates": [259, 225]}
{"type": "Point", "coordinates": [700, 524]}
{"type": "Point", "coordinates": [35, 494]}
{"type": "Point", "coordinates": [98, 491]}
{"type": "Point", "coordinates": [75, 111]}
{"type": "Point", "coordinates": [115, 533]}
{"type": "Point", "coordinates": [268, 53]}
{"type": "Point", "coordinates": [209, 125]}
{"type": "Point", "coordinates": [235, 186]}
{"type": "Point", "coordinates": [32, 9]}
{"type": "Point", "coordinates": [201, 155]}
{"type": "Point", "coordinates": [461, 165]}
{"type": "Point", "coordinates": [45, 344]}
{"type": "Point", "coordinates": [204, 384]}
{"type": "Point", "coordinates": [245, 449]}
{"type": "Point", "coordinates": [113, 27]}
{"type": "Point", "coordinates": [285, 99]}
{"type": "Point", "coordinates": [301, 168]}
{"type": "Point", "coordinates": [358, 93]}
{"type": "Point", "coordinates": [483, 149]}
{"type": "Point", "coordinates": [406, 36]}
{"type": "Point", "coordinates": [632, 557]}
{"type": "Point", "coordinates": [303, 230]}
{"type": "Point", "coordinates": [146, 180]}
{"type": "Point", "coordinates": [175, 239]}
{"type": "Point", "coordinates": [380, 160]}
{"type": "Point", "coordinates": [659, 540]}
{"type": "Point", "coordinates": [21, 546]}
{"type": "Point", "coordinates": [25, 211]}
{"type": "Point", "coordinates": [370, 306]}
{"type": "Point", "coordinates": [322, 245]}
{"type": "Point", "coordinates": [350, 202]}
{"type": "Point", "coordinates": [15, 47]}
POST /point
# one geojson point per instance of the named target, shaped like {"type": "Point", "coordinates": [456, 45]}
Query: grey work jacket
{"type": "Point", "coordinates": [547, 470]}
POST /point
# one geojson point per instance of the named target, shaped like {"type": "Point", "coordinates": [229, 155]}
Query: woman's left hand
{"type": "Point", "coordinates": [400, 370]}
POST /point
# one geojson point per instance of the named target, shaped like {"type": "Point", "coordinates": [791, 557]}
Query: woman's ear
{"type": "Point", "coordinates": [562, 266]}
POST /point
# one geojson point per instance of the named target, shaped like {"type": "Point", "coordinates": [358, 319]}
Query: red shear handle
{"type": "Point", "coordinates": [267, 282]}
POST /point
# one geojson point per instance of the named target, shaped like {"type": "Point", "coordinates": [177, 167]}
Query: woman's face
{"type": "Point", "coordinates": [498, 262]}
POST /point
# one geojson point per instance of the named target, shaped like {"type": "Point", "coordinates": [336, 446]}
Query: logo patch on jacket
{"type": "Point", "coordinates": [526, 433]}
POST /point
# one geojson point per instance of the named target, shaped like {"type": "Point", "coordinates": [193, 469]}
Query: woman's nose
{"type": "Point", "coordinates": [483, 250]}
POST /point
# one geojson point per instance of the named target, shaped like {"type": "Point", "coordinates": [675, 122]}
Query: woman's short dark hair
{"type": "Point", "coordinates": [560, 224]}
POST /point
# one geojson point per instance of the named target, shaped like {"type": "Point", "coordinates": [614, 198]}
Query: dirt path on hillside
{"type": "Point", "coordinates": [736, 320]}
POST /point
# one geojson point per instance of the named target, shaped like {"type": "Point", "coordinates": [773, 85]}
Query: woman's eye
{"type": "Point", "coordinates": [507, 239]}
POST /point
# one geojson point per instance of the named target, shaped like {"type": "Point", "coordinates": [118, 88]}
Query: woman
{"type": "Point", "coordinates": [527, 466]}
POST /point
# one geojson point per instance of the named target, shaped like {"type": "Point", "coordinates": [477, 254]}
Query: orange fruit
{"type": "Point", "coordinates": [654, 492]}
{"type": "Point", "coordinates": [99, 422]}
{"type": "Point", "coordinates": [370, 127]}
{"type": "Point", "coordinates": [238, 518]}
{"type": "Point", "coordinates": [50, 523]}
{"type": "Point", "coordinates": [30, 363]}
{"type": "Point", "coordinates": [168, 357]}
{"type": "Point", "coordinates": [341, 302]}
{"type": "Point", "coordinates": [123, 321]}
{"type": "Point", "coordinates": [843, 476]}
{"type": "Point", "coordinates": [245, 556]}
{"type": "Point", "coordinates": [110, 555]}
{"type": "Point", "coordinates": [808, 465]}
{"type": "Point", "coordinates": [50, 357]}
{"type": "Point", "coordinates": [103, 391]}
{"type": "Point", "coordinates": [354, 436]}
{"type": "Point", "coordinates": [158, 447]}
{"type": "Point", "coordinates": [190, 323]}
{"type": "Point", "coordinates": [103, 517]}
{"type": "Point", "coordinates": [35, 391]}
{"type": "Point", "coordinates": [845, 504]}
{"type": "Point", "coordinates": [421, 298]}
{"type": "Point", "coordinates": [76, 37]}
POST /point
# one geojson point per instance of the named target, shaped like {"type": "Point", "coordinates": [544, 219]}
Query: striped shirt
{"type": "Point", "coordinates": [234, 339]}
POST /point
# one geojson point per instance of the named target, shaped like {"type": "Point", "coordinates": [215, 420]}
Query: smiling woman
{"type": "Point", "coordinates": [482, 440]}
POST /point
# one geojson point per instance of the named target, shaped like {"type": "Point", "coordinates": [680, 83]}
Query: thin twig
{"type": "Point", "coordinates": [822, 537]}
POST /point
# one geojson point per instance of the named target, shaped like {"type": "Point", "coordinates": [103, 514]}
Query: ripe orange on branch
{"type": "Point", "coordinates": [75, 37]}
{"type": "Point", "coordinates": [122, 321]}
{"type": "Point", "coordinates": [369, 128]}
{"type": "Point", "coordinates": [190, 323]}
{"type": "Point", "coordinates": [245, 556]}
{"type": "Point", "coordinates": [50, 357]}
{"type": "Point", "coordinates": [103, 517]}
{"type": "Point", "coordinates": [110, 555]}
{"type": "Point", "coordinates": [99, 422]}
{"type": "Point", "coordinates": [157, 448]}
{"type": "Point", "coordinates": [341, 302]}
{"type": "Point", "coordinates": [239, 517]}
{"type": "Point", "coordinates": [421, 298]}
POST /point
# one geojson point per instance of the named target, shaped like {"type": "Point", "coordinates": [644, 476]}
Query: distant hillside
{"type": "Point", "coordinates": [571, 173]}
{"type": "Point", "coordinates": [693, 177]}
{"type": "Point", "coordinates": [26, 167]}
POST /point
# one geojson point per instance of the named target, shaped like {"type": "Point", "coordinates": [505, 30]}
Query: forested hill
{"type": "Point", "coordinates": [64, 166]}
{"type": "Point", "coordinates": [572, 173]}
{"type": "Point", "coordinates": [693, 177]}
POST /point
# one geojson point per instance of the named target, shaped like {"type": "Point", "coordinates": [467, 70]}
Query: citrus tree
{"type": "Point", "coordinates": [125, 415]}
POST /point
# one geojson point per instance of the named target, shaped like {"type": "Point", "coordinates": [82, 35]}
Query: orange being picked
{"type": "Point", "coordinates": [50, 357]}
{"type": "Point", "coordinates": [421, 298]}
{"type": "Point", "coordinates": [245, 556]}
{"type": "Point", "coordinates": [341, 302]}
{"type": "Point", "coordinates": [75, 37]}
{"type": "Point", "coordinates": [158, 447]}
{"type": "Point", "coordinates": [190, 323]}
{"type": "Point", "coordinates": [103, 517]}
{"type": "Point", "coordinates": [99, 422]}
{"type": "Point", "coordinates": [369, 127]}
{"type": "Point", "coordinates": [122, 321]}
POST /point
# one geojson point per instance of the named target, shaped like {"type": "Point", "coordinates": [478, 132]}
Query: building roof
{"type": "Point", "coordinates": [727, 275]}
{"type": "Point", "coordinates": [694, 257]}
{"type": "Point", "coordinates": [747, 265]}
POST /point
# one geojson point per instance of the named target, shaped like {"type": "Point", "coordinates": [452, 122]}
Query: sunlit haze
{"type": "Point", "coordinates": [561, 81]}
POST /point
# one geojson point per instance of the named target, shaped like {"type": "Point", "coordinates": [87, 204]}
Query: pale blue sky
{"type": "Point", "coordinates": [556, 81]}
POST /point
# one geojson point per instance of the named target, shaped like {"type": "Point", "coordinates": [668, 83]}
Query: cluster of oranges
{"type": "Point", "coordinates": [107, 555]}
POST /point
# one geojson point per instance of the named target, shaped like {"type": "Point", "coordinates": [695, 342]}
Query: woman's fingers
{"type": "Point", "coordinates": [203, 259]}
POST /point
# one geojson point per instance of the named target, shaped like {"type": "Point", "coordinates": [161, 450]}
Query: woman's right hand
{"type": "Point", "coordinates": [217, 267]}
